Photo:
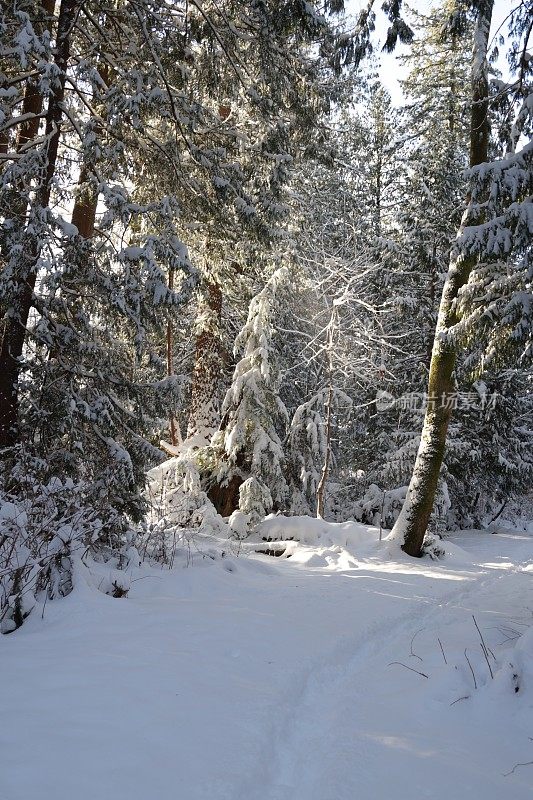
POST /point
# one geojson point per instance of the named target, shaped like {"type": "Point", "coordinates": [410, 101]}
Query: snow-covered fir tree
{"type": "Point", "coordinates": [249, 442]}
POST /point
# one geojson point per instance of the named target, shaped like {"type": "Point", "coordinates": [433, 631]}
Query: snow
{"type": "Point", "coordinates": [185, 448]}
{"type": "Point", "coordinates": [67, 228]}
{"type": "Point", "coordinates": [259, 678]}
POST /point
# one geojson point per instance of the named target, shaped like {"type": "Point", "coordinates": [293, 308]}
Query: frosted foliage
{"type": "Point", "coordinates": [44, 530]}
{"type": "Point", "coordinates": [173, 128]}
{"type": "Point", "coordinates": [380, 507]}
{"type": "Point", "coordinates": [307, 451]}
{"type": "Point", "coordinates": [177, 499]}
{"type": "Point", "coordinates": [255, 500]}
{"type": "Point", "coordinates": [252, 412]}
{"type": "Point", "coordinates": [498, 297]}
{"type": "Point", "coordinates": [238, 524]}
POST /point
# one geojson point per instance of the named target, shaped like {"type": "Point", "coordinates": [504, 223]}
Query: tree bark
{"type": "Point", "coordinates": [15, 330]}
{"type": "Point", "coordinates": [33, 99]}
{"type": "Point", "coordinates": [226, 498]}
{"type": "Point", "coordinates": [412, 523]}
{"type": "Point", "coordinates": [84, 211]}
{"type": "Point", "coordinates": [204, 404]}
{"type": "Point", "coordinates": [32, 104]}
{"type": "Point", "coordinates": [86, 202]}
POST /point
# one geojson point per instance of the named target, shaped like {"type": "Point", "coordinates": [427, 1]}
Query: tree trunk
{"type": "Point", "coordinates": [86, 202]}
{"type": "Point", "coordinates": [204, 412]}
{"type": "Point", "coordinates": [32, 107]}
{"type": "Point", "coordinates": [321, 488]}
{"type": "Point", "coordinates": [33, 99]}
{"type": "Point", "coordinates": [226, 498]}
{"type": "Point", "coordinates": [84, 211]}
{"type": "Point", "coordinates": [15, 330]}
{"type": "Point", "coordinates": [175, 434]}
{"type": "Point", "coordinates": [412, 523]}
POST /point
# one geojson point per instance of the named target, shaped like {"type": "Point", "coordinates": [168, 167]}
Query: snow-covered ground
{"type": "Point", "coordinates": [260, 678]}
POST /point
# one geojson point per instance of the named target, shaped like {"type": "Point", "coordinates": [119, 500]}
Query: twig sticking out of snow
{"type": "Point", "coordinates": [510, 634]}
{"type": "Point", "coordinates": [484, 648]}
{"type": "Point", "coordinates": [465, 697]}
{"type": "Point", "coordinates": [471, 670]}
{"type": "Point", "coordinates": [409, 668]}
{"type": "Point", "coordinates": [443, 654]}
{"type": "Point", "coordinates": [412, 640]}
{"type": "Point", "coordinates": [520, 764]}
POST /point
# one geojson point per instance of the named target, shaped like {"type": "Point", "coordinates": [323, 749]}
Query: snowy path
{"type": "Point", "coordinates": [362, 732]}
{"type": "Point", "coordinates": [259, 679]}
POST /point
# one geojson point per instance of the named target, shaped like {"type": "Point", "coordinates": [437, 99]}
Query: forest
{"type": "Point", "coordinates": [266, 399]}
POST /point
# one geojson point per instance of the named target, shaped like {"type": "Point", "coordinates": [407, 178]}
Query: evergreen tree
{"type": "Point", "coordinates": [433, 151]}
{"type": "Point", "coordinates": [86, 300]}
{"type": "Point", "coordinates": [492, 230]}
{"type": "Point", "coordinates": [249, 443]}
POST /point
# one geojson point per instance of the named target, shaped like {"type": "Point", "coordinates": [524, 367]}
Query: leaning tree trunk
{"type": "Point", "coordinates": [412, 523]}
{"type": "Point", "coordinates": [15, 329]}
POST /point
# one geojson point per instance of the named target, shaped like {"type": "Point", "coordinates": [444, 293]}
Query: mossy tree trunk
{"type": "Point", "coordinates": [412, 523]}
